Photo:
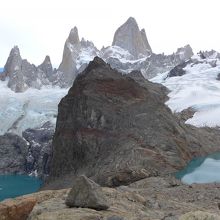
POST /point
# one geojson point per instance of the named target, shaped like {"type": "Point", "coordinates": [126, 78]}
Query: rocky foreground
{"type": "Point", "coordinates": [148, 199]}
{"type": "Point", "coordinates": [116, 130]}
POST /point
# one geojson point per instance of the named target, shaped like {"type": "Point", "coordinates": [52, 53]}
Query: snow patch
{"type": "Point", "coordinates": [197, 89]}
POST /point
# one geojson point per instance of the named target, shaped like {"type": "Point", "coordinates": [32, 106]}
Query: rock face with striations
{"type": "Point", "coordinates": [29, 154]}
{"type": "Point", "coordinates": [117, 129]}
{"type": "Point", "coordinates": [23, 75]}
{"type": "Point", "coordinates": [132, 39]}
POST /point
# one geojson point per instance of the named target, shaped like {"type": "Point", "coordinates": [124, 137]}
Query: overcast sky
{"type": "Point", "coordinates": [40, 27]}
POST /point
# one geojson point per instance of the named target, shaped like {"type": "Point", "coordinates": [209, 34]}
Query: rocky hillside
{"type": "Point", "coordinates": [116, 129]}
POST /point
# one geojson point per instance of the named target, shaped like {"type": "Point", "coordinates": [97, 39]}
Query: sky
{"type": "Point", "coordinates": [40, 27]}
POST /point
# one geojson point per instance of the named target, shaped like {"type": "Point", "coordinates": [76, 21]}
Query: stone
{"type": "Point", "coordinates": [179, 69]}
{"type": "Point", "coordinates": [131, 38]}
{"type": "Point", "coordinates": [114, 217]}
{"type": "Point", "coordinates": [162, 202]}
{"type": "Point", "coordinates": [17, 209]}
{"type": "Point", "coordinates": [199, 215]}
{"type": "Point", "coordinates": [86, 194]}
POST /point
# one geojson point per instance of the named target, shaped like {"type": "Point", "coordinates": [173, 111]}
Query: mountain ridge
{"type": "Point", "coordinates": [130, 51]}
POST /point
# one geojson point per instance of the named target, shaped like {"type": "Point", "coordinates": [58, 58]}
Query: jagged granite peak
{"type": "Point", "coordinates": [75, 58]}
{"type": "Point", "coordinates": [22, 75]}
{"type": "Point", "coordinates": [129, 37]}
{"type": "Point", "coordinates": [46, 66]}
{"type": "Point", "coordinates": [14, 61]}
{"type": "Point", "coordinates": [74, 36]}
{"type": "Point", "coordinates": [71, 50]}
{"type": "Point", "coordinates": [185, 52]}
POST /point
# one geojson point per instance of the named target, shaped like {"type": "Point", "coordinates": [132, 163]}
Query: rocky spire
{"type": "Point", "coordinates": [22, 75]}
{"type": "Point", "coordinates": [14, 61]}
{"type": "Point", "coordinates": [130, 38]}
{"type": "Point", "coordinates": [185, 52]}
{"type": "Point", "coordinates": [74, 36]}
{"type": "Point", "coordinates": [46, 66]}
{"type": "Point", "coordinates": [70, 53]}
{"type": "Point", "coordinates": [145, 41]}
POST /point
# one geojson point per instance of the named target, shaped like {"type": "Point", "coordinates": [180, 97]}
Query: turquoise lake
{"type": "Point", "coordinates": [201, 170]}
{"type": "Point", "coordinates": [16, 185]}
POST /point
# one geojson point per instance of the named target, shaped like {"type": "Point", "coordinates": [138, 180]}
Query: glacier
{"type": "Point", "coordinates": [30, 109]}
{"type": "Point", "coordinates": [198, 89]}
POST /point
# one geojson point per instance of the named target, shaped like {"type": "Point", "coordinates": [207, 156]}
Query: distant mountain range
{"type": "Point", "coordinates": [130, 50]}
{"type": "Point", "coordinates": [1, 69]}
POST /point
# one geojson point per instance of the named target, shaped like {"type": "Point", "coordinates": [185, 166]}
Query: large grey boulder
{"type": "Point", "coordinates": [132, 39]}
{"type": "Point", "coordinates": [86, 194]}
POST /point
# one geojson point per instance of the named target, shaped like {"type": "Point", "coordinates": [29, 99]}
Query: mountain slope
{"type": "Point", "coordinates": [106, 129]}
{"type": "Point", "coordinates": [197, 88]}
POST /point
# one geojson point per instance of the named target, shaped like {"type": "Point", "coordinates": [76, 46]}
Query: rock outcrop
{"type": "Point", "coordinates": [185, 52]}
{"type": "Point", "coordinates": [86, 194]}
{"type": "Point", "coordinates": [13, 153]}
{"type": "Point", "coordinates": [106, 129]}
{"type": "Point", "coordinates": [22, 75]}
{"type": "Point", "coordinates": [29, 154]}
{"type": "Point", "coordinates": [199, 215]}
{"type": "Point", "coordinates": [151, 198]}
{"type": "Point", "coordinates": [132, 39]}
{"type": "Point", "coordinates": [17, 209]}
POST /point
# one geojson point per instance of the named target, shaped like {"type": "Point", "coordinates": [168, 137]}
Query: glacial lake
{"type": "Point", "coordinates": [17, 185]}
{"type": "Point", "coordinates": [201, 170]}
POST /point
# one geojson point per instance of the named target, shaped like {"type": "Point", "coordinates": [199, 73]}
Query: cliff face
{"type": "Point", "coordinates": [129, 37]}
{"type": "Point", "coordinates": [116, 129]}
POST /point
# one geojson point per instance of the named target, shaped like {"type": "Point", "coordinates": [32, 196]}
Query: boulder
{"type": "Point", "coordinates": [17, 209]}
{"type": "Point", "coordinates": [199, 215]}
{"type": "Point", "coordinates": [86, 194]}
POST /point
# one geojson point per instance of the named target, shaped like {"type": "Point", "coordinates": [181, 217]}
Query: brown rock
{"type": "Point", "coordinates": [17, 209]}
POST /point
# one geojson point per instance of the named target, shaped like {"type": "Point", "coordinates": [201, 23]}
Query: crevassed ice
{"type": "Point", "coordinates": [30, 109]}
{"type": "Point", "coordinates": [198, 89]}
